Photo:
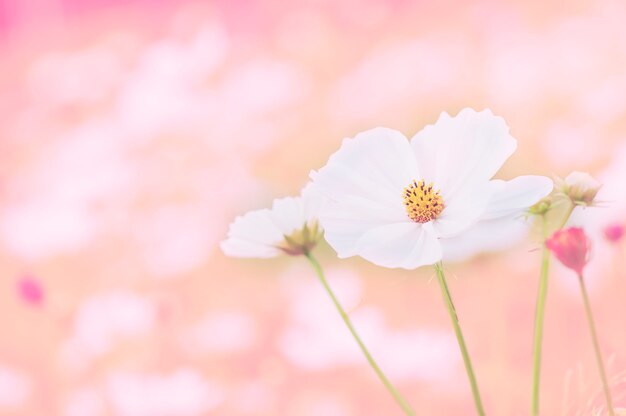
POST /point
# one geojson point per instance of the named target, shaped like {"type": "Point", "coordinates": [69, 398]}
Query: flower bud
{"type": "Point", "coordinates": [572, 247]}
{"type": "Point", "coordinates": [580, 187]}
{"type": "Point", "coordinates": [541, 207]}
{"type": "Point", "coordinates": [614, 232]}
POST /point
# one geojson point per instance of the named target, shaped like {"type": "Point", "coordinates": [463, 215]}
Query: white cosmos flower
{"type": "Point", "coordinates": [402, 204]}
{"type": "Point", "coordinates": [289, 227]}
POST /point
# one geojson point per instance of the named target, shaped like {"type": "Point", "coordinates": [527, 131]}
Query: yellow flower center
{"type": "Point", "coordinates": [422, 203]}
{"type": "Point", "coordinates": [301, 240]}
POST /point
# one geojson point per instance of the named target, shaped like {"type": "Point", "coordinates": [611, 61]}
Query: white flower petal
{"type": "Point", "coordinates": [458, 152]}
{"type": "Point", "coordinates": [313, 201]}
{"type": "Point", "coordinates": [237, 247]}
{"type": "Point", "coordinates": [345, 222]}
{"type": "Point", "coordinates": [365, 214]}
{"type": "Point", "coordinates": [465, 209]}
{"type": "Point", "coordinates": [363, 182]}
{"type": "Point", "coordinates": [403, 245]}
{"type": "Point", "coordinates": [501, 226]}
{"type": "Point", "coordinates": [491, 235]}
{"type": "Point", "coordinates": [253, 235]}
{"type": "Point", "coordinates": [376, 165]}
{"type": "Point", "coordinates": [288, 214]}
{"type": "Point", "coordinates": [257, 233]}
{"type": "Point", "coordinates": [517, 195]}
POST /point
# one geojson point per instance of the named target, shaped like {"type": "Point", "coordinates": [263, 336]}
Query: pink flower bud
{"type": "Point", "coordinates": [572, 247]}
{"type": "Point", "coordinates": [30, 291]}
{"type": "Point", "coordinates": [614, 232]}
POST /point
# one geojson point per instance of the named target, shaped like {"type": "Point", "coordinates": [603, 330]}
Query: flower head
{"type": "Point", "coordinates": [30, 290]}
{"type": "Point", "coordinates": [572, 247]}
{"type": "Point", "coordinates": [613, 232]}
{"type": "Point", "coordinates": [580, 187]}
{"type": "Point", "coordinates": [399, 204]}
{"type": "Point", "coordinates": [289, 227]}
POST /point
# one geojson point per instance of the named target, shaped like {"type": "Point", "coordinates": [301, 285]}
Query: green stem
{"type": "Point", "coordinates": [538, 336]}
{"type": "Point", "coordinates": [396, 395]}
{"type": "Point", "coordinates": [540, 308]}
{"type": "Point", "coordinates": [568, 213]}
{"type": "Point", "coordinates": [596, 346]}
{"type": "Point", "coordinates": [459, 337]}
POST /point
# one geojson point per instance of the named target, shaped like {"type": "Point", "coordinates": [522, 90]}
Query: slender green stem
{"type": "Point", "coordinates": [396, 395]}
{"type": "Point", "coordinates": [459, 337]}
{"type": "Point", "coordinates": [596, 346]}
{"type": "Point", "coordinates": [540, 308]}
{"type": "Point", "coordinates": [538, 336]}
{"type": "Point", "coordinates": [568, 213]}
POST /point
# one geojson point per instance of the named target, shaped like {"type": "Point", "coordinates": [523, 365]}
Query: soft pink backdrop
{"type": "Point", "coordinates": [133, 132]}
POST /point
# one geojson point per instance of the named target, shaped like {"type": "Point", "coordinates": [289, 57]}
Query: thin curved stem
{"type": "Point", "coordinates": [540, 308]}
{"type": "Point", "coordinates": [459, 337]}
{"type": "Point", "coordinates": [538, 335]}
{"type": "Point", "coordinates": [396, 395]}
{"type": "Point", "coordinates": [596, 346]}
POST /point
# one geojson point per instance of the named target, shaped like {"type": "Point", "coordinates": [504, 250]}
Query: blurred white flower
{"type": "Point", "coordinates": [403, 65]}
{"type": "Point", "coordinates": [254, 397]}
{"type": "Point", "coordinates": [327, 405]}
{"type": "Point", "coordinates": [315, 340]}
{"type": "Point", "coordinates": [223, 331]}
{"type": "Point", "coordinates": [183, 393]}
{"type": "Point", "coordinates": [15, 388]}
{"type": "Point", "coordinates": [398, 204]}
{"type": "Point", "coordinates": [106, 319]}
{"type": "Point", "coordinates": [84, 77]}
{"type": "Point", "coordinates": [40, 220]}
{"type": "Point", "coordinates": [290, 227]}
{"type": "Point", "coordinates": [165, 90]}
{"type": "Point", "coordinates": [85, 401]}
{"type": "Point", "coordinates": [175, 238]}
{"type": "Point", "coordinates": [576, 135]}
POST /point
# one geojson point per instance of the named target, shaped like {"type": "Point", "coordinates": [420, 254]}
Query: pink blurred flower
{"type": "Point", "coordinates": [572, 247]}
{"type": "Point", "coordinates": [614, 232]}
{"type": "Point", "coordinates": [30, 290]}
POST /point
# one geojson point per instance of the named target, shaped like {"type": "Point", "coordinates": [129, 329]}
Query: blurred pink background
{"type": "Point", "coordinates": [133, 132]}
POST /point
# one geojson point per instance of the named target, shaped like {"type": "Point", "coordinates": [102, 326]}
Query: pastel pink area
{"type": "Point", "coordinates": [134, 131]}
{"type": "Point", "coordinates": [31, 291]}
{"type": "Point", "coordinates": [614, 232]}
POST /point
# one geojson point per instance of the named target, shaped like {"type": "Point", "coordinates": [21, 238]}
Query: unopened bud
{"type": "Point", "coordinates": [580, 187]}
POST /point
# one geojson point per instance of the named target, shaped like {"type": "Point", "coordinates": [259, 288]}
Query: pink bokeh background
{"type": "Point", "coordinates": [133, 132]}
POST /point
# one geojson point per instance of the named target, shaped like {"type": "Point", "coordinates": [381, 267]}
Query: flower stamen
{"type": "Point", "coordinates": [423, 204]}
{"type": "Point", "coordinates": [301, 240]}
